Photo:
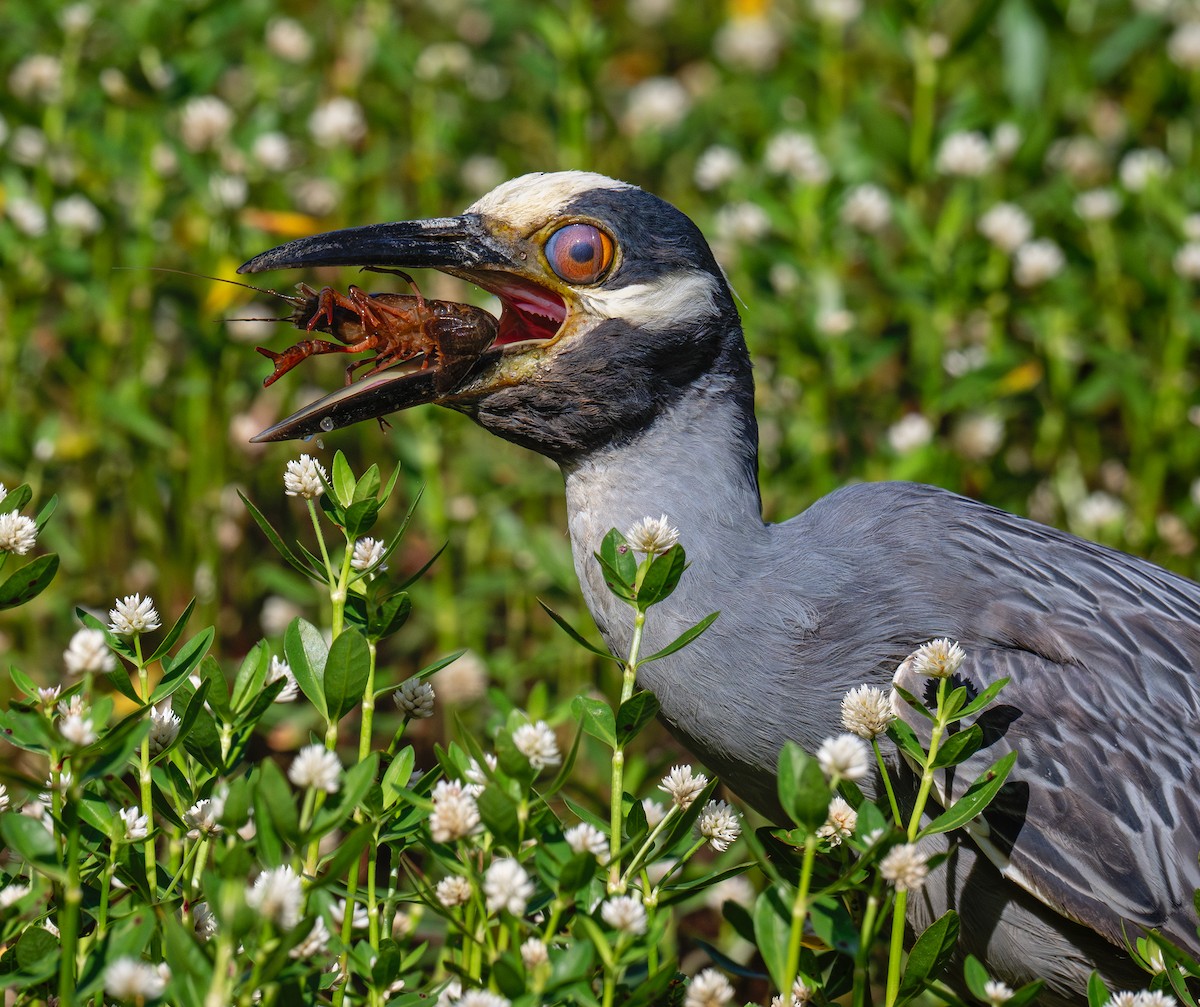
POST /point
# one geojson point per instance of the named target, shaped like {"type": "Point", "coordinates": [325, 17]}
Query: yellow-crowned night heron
{"type": "Point", "coordinates": [620, 356]}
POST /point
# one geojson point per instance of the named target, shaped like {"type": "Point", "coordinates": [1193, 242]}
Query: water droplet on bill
{"type": "Point", "coordinates": [327, 424]}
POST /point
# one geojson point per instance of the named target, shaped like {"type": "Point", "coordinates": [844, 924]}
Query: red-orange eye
{"type": "Point", "coordinates": [579, 253]}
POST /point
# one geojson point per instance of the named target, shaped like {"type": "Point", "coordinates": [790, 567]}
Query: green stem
{"type": "Point", "coordinates": [935, 740]}
{"type": "Point", "coordinates": [799, 914]}
{"type": "Point", "coordinates": [312, 512]}
{"type": "Point", "coordinates": [144, 777]}
{"type": "Point", "coordinates": [617, 784]}
{"type": "Point", "coordinates": [862, 960]}
{"type": "Point", "coordinates": [368, 708]}
{"type": "Point", "coordinates": [896, 948]}
{"type": "Point", "coordinates": [338, 594]}
{"type": "Point", "coordinates": [887, 782]}
{"type": "Point", "coordinates": [68, 922]}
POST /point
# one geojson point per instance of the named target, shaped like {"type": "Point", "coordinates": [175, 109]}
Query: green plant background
{"type": "Point", "coordinates": [123, 390]}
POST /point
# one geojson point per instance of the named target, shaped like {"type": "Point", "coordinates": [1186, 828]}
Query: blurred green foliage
{"type": "Point", "coordinates": [892, 338]}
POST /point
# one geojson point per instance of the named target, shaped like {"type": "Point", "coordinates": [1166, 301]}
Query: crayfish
{"type": "Point", "coordinates": [450, 336]}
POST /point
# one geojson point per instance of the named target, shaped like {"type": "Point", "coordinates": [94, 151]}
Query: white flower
{"type": "Point", "coordinates": [206, 121]}
{"type": "Point", "coordinates": [28, 147]}
{"type": "Point", "coordinates": [4, 800]}
{"type": "Point", "coordinates": [649, 12]}
{"type": "Point", "coordinates": [1139, 168]}
{"type": "Point", "coordinates": [683, 785]}
{"type": "Point", "coordinates": [288, 40]}
{"type": "Point", "coordinates": [910, 433]}
{"type": "Point", "coordinates": [534, 953]}
{"type": "Point", "coordinates": [77, 730]}
{"type": "Point", "coordinates": [1037, 261]}
{"type": "Point", "coordinates": [839, 12]}
{"type": "Point", "coordinates": [12, 894]}
{"type": "Point", "coordinates": [967, 155]}
{"type": "Point", "coordinates": [415, 699]}
{"type": "Point", "coordinates": [476, 777]}
{"type": "Point", "coordinates": [867, 711]}
{"type": "Point", "coordinates": [164, 727]}
{"type": "Point", "coordinates": [272, 150]}
{"type": "Point", "coordinates": [137, 827]}
{"type": "Point", "coordinates": [867, 208]}
{"type": "Point", "coordinates": [203, 817]}
{"type": "Point", "coordinates": [1183, 47]}
{"type": "Point", "coordinates": [132, 980]}
{"type": "Point", "coordinates": [367, 553]}
{"type": "Point", "coordinates": [625, 913]}
{"type": "Point", "coordinates": [453, 891]}
{"type": "Point", "coordinates": [316, 196]}
{"type": "Point", "coordinates": [1097, 204]}
{"type": "Point", "coordinates": [26, 215]}
{"type": "Point", "coordinates": [748, 43]}
{"type": "Point", "coordinates": [507, 886]}
{"type": "Point", "coordinates": [76, 18]}
{"type": "Point", "coordinates": [455, 813]}
{"type": "Point", "coordinates": [360, 919]}
{"type": "Point", "coordinates": [708, 989]}
{"type": "Point", "coordinates": [305, 477]}
{"type": "Point", "coordinates": [845, 757]}
{"type": "Point", "coordinates": [834, 321]}
{"type": "Point", "coordinates": [904, 867]}
{"type": "Point", "coordinates": [652, 536]}
{"type": "Point", "coordinates": [796, 156]}
{"type": "Point", "coordinates": [337, 122]}
{"type": "Point", "coordinates": [537, 743]}
{"type": "Point", "coordinates": [3, 492]}
{"type": "Point", "coordinates": [1006, 226]}
{"type": "Point", "coordinates": [654, 810]}
{"type": "Point", "coordinates": [719, 824]}
{"type": "Point", "coordinates": [37, 77]}
{"type": "Point", "coordinates": [204, 921]}
{"type": "Point", "coordinates": [1154, 998]}
{"type": "Point", "coordinates": [88, 653]}
{"type": "Point", "coordinates": [840, 822]}
{"type": "Point", "coordinates": [463, 680]}
{"type": "Point", "coordinates": [443, 60]}
{"type": "Point", "coordinates": [315, 944]}
{"type": "Point", "coordinates": [801, 995]}
{"type": "Point", "coordinates": [1006, 140]}
{"type": "Point", "coordinates": [18, 533]}
{"type": "Point", "coordinates": [482, 998]}
{"type": "Point", "coordinates": [996, 993]}
{"type": "Point", "coordinates": [938, 658]}
{"type": "Point", "coordinates": [743, 222]}
{"type": "Point", "coordinates": [655, 105]}
{"type": "Point", "coordinates": [586, 838]}
{"type": "Point", "coordinates": [48, 695]}
{"type": "Point", "coordinates": [481, 173]}
{"type": "Point", "coordinates": [1082, 158]}
{"type": "Point", "coordinates": [716, 166]}
{"type": "Point", "coordinates": [1098, 510]}
{"type": "Point", "coordinates": [132, 615]}
{"type": "Point", "coordinates": [77, 213]}
{"type": "Point", "coordinates": [317, 767]}
{"type": "Point", "coordinates": [281, 669]}
{"type": "Point", "coordinates": [276, 896]}
{"type": "Point", "coordinates": [978, 436]}
{"type": "Point", "coordinates": [1187, 261]}
{"type": "Point", "coordinates": [1191, 231]}
{"type": "Point", "coordinates": [228, 191]}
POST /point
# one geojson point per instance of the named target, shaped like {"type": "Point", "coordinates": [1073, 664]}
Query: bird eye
{"type": "Point", "coordinates": [579, 253]}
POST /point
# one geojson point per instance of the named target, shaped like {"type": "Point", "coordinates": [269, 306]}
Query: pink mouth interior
{"type": "Point", "coordinates": [530, 311]}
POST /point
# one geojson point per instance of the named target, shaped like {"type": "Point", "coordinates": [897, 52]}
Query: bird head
{"type": "Point", "coordinates": [612, 307]}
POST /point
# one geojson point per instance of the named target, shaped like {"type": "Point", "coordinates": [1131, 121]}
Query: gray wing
{"type": "Point", "coordinates": [1102, 818]}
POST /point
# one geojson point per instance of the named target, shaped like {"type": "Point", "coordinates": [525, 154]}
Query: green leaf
{"type": "Point", "coordinates": [578, 637]}
{"type": "Point", "coordinates": [360, 517]}
{"type": "Point", "coordinates": [577, 873]}
{"type": "Point", "coordinates": [346, 672]}
{"type": "Point", "coordinates": [367, 487]}
{"type": "Point", "coordinates": [173, 635]}
{"type": "Point", "coordinates": [273, 799]}
{"type": "Point", "coordinates": [959, 747]}
{"type": "Point", "coordinates": [906, 740]}
{"type": "Point", "coordinates": [983, 699]}
{"type": "Point", "coordinates": [346, 856]}
{"type": "Point", "coordinates": [977, 797]}
{"type": "Point", "coordinates": [391, 616]}
{"type": "Point", "coordinates": [1097, 992]}
{"type": "Point", "coordinates": [176, 670]}
{"type": "Point", "coordinates": [804, 792]}
{"type": "Point", "coordinates": [48, 509]}
{"type": "Point", "coordinates": [356, 781]}
{"type": "Point", "coordinates": [396, 776]}
{"type": "Point", "coordinates": [28, 838]}
{"type": "Point", "coordinates": [25, 685]}
{"type": "Point", "coordinates": [27, 582]}
{"type": "Point", "coordinates": [929, 955]}
{"type": "Point", "coordinates": [662, 577]}
{"type": "Point", "coordinates": [597, 718]}
{"type": "Point", "coordinates": [277, 541]}
{"type": "Point", "coordinates": [612, 578]}
{"type": "Point", "coordinates": [912, 701]}
{"type": "Point", "coordinates": [772, 930]}
{"type": "Point", "coordinates": [616, 554]}
{"type": "Point", "coordinates": [306, 652]}
{"type": "Point", "coordinates": [977, 977]}
{"type": "Point", "coordinates": [16, 498]}
{"type": "Point", "coordinates": [635, 713]}
{"type": "Point", "coordinates": [1029, 992]}
{"type": "Point", "coordinates": [831, 922]}
{"type": "Point", "coordinates": [509, 973]}
{"type": "Point", "coordinates": [683, 639]}
{"type": "Point", "coordinates": [37, 954]}
{"type": "Point", "coordinates": [499, 814]}
{"type": "Point", "coordinates": [251, 674]}
{"type": "Point", "coordinates": [343, 481]}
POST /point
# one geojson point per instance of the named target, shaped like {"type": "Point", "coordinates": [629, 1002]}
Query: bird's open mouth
{"type": "Point", "coordinates": [530, 312]}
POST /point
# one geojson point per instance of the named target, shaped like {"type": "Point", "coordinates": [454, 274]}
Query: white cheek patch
{"type": "Point", "coordinates": [677, 299]}
{"type": "Point", "coordinates": [527, 202]}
